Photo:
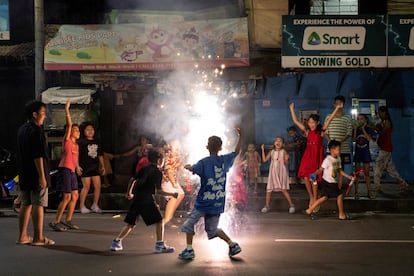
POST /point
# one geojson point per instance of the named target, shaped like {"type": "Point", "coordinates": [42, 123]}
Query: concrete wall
{"type": "Point", "coordinates": [317, 91]}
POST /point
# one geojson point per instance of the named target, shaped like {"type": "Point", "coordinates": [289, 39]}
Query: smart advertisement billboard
{"type": "Point", "coordinates": [334, 42]}
{"type": "Point", "coordinates": [400, 41]}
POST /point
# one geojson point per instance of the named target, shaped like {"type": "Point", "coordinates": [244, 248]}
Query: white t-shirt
{"type": "Point", "coordinates": [331, 168]}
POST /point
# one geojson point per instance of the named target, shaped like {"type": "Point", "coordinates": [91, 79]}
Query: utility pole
{"type": "Point", "coordinates": [39, 47]}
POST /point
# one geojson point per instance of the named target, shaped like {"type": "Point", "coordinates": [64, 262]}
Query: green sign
{"type": "Point", "coordinates": [400, 41]}
{"type": "Point", "coordinates": [334, 42]}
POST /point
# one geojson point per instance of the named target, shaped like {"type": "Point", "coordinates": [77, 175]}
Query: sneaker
{"type": "Point", "coordinates": [96, 209]}
{"type": "Point", "coordinates": [163, 248]}
{"type": "Point", "coordinates": [234, 249]}
{"type": "Point", "coordinates": [187, 254]}
{"type": "Point", "coordinates": [70, 225]}
{"type": "Point", "coordinates": [116, 245]}
{"type": "Point", "coordinates": [265, 209]}
{"type": "Point", "coordinates": [292, 209]}
{"type": "Point", "coordinates": [84, 210]}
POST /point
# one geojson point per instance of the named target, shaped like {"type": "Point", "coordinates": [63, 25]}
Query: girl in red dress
{"type": "Point", "coordinates": [313, 156]}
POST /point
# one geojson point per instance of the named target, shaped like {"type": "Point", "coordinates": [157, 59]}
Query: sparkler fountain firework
{"type": "Point", "coordinates": [190, 106]}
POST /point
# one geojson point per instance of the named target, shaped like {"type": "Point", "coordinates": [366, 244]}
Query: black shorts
{"type": "Point", "coordinates": [329, 189]}
{"type": "Point", "coordinates": [148, 210]}
{"type": "Point", "coordinates": [345, 158]}
{"type": "Point", "coordinates": [90, 172]}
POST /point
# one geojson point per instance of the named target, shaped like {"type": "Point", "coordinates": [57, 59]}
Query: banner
{"type": "Point", "coordinates": [147, 47]}
{"type": "Point", "coordinates": [400, 41]}
{"type": "Point", "coordinates": [334, 42]}
{"type": "Point", "coordinates": [4, 20]}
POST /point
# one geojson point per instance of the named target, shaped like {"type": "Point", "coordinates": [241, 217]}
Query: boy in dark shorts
{"type": "Point", "coordinates": [147, 183]}
{"type": "Point", "coordinates": [211, 198]}
{"type": "Point", "coordinates": [331, 168]}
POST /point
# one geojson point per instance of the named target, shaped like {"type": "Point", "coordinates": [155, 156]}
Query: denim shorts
{"type": "Point", "coordinates": [211, 222]}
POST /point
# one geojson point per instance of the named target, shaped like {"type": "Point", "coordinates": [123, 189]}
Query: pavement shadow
{"type": "Point", "coordinates": [82, 250]}
{"type": "Point", "coordinates": [88, 251]}
{"type": "Point", "coordinates": [93, 232]}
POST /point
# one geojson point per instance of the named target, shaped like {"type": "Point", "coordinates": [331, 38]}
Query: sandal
{"type": "Point", "coordinates": [45, 242]}
{"type": "Point", "coordinates": [57, 227]}
{"type": "Point", "coordinates": [28, 241]}
{"type": "Point", "coordinates": [70, 225]}
{"type": "Point", "coordinates": [347, 217]}
{"type": "Point", "coordinates": [16, 207]}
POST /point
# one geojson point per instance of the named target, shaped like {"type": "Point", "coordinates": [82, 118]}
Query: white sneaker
{"type": "Point", "coordinates": [96, 209]}
{"type": "Point", "coordinates": [84, 210]}
{"type": "Point", "coordinates": [265, 209]}
{"type": "Point", "coordinates": [292, 209]}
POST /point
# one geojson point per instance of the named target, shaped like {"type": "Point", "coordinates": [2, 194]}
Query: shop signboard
{"type": "Point", "coordinates": [334, 42]}
{"type": "Point", "coordinates": [4, 20]}
{"type": "Point", "coordinates": [400, 41]}
{"type": "Point", "coordinates": [147, 47]}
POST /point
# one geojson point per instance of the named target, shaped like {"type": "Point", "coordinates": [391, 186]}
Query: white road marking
{"type": "Point", "coordinates": [343, 241]}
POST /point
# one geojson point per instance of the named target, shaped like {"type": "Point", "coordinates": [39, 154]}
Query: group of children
{"type": "Point", "coordinates": [80, 157]}
{"type": "Point", "coordinates": [322, 174]}
{"type": "Point", "coordinates": [209, 203]}
{"type": "Point", "coordinates": [149, 180]}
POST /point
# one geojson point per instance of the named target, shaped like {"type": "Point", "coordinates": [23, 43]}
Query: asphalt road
{"type": "Point", "coordinates": [272, 244]}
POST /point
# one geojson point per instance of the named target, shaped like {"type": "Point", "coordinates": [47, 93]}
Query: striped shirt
{"type": "Point", "coordinates": [339, 128]}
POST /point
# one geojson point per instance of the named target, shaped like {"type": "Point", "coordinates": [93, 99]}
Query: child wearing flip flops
{"type": "Point", "coordinates": [67, 182]}
{"type": "Point", "coordinates": [331, 168]}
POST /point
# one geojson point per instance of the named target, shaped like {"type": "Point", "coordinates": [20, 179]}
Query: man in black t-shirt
{"type": "Point", "coordinates": [33, 174]}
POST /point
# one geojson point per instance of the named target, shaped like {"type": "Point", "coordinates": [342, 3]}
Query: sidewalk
{"type": "Point", "coordinates": [390, 200]}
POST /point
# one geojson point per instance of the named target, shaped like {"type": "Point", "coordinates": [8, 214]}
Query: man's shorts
{"type": "Point", "coordinates": [211, 222]}
{"type": "Point", "coordinates": [39, 198]}
{"type": "Point", "coordinates": [67, 181]}
{"type": "Point", "coordinates": [148, 210]}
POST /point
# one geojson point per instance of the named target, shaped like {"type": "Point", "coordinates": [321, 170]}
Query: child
{"type": "Point", "coordinates": [384, 159]}
{"type": "Point", "coordinates": [340, 129]}
{"type": "Point", "coordinates": [211, 199]}
{"type": "Point", "coordinates": [147, 182]}
{"type": "Point", "coordinates": [331, 168]}
{"type": "Point", "coordinates": [68, 183]}
{"type": "Point", "coordinates": [253, 165]}
{"type": "Point", "coordinates": [296, 146]}
{"type": "Point", "coordinates": [236, 185]}
{"type": "Point", "coordinates": [91, 165]}
{"type": "Point", "coordinates": [313, 155]}
{"type": "Point", "coordinates": [278, 179]}
{"type": "Point", "coordinates": [362, 135]}
{"type": "Point", "coordinates": [172, 165]}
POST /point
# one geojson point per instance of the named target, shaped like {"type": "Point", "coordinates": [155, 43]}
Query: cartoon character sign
{"type": "Point", "coordinates": [209, 42]}
{"type": "Point", "coordinates": [130, 50]}
{"type": "Point", "coordinates": [231, 47]}
{"type": "Point", "coordinates": [158, 43]}
{"type": "Point", "coordinates": [190, 43]}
